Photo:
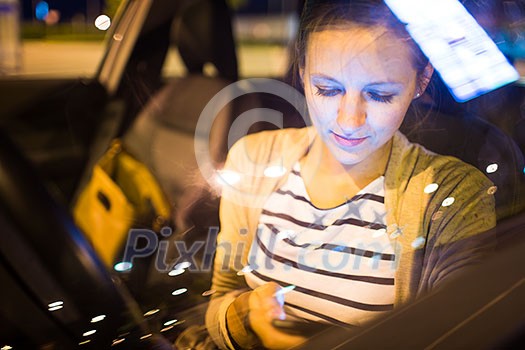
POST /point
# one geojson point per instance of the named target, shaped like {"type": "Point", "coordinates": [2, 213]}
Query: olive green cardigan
{"type": "Point", "coordinates": [432, 238]}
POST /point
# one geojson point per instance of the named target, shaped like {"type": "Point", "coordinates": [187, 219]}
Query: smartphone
{"type": "Point", "coordinates": [299, 327]}
{"type": "Point", "coordinates": [465, 57]}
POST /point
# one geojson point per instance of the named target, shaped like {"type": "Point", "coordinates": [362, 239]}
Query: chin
{"type": "Point", "coordinates": [346, 157]}
{"type": "Point", "coordinates": [349, 159]}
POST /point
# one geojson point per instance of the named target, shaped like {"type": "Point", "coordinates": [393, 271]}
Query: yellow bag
{"type": "Point", "coordinates": [121, 194]}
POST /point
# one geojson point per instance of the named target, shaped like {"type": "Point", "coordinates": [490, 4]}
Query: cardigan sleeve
{"type": "Point", "coordinates": [241, 203]}
{"type": "Point", "coordinates": [231, 241]}
{"type": "Point", "coordinates": [458, 219]}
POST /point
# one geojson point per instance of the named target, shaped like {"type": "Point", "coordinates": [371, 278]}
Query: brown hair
{"type": "Point", "coordinates": [318, 15]}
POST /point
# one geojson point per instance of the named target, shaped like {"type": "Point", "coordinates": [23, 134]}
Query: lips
{"type": "Point", "coordinates": [348, 141]}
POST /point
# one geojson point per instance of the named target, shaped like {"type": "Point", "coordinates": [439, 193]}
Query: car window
{"type": "Point", "coordinates": [41, 39]}
{"type": "Point", "coordinates": [263, 32]}
{"type": "Point", "coordinates": [59, 58]}
{"type": "Point", "coordinates": [133, 154]}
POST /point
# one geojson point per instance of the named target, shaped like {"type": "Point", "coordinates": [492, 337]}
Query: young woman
{"type": "Point", "coordinates": [358, 220]}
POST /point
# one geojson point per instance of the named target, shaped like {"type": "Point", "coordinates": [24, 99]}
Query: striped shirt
{"type": "Point", "coordinates": [340, 259]}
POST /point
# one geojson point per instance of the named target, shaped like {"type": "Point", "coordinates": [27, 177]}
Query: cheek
{"type": "Point", "coordinates": [322, 110]}
{"type": "Point", "coordinates": [386, 121]}
{"type": "Point", "coordinates": [325, 116]}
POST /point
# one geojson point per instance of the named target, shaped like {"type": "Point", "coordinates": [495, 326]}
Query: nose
{"type": "Point", "coordinates": [352, 112]}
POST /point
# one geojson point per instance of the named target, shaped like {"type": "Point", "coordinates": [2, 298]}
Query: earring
{"type": "Point", "coordinates": [418, 95]}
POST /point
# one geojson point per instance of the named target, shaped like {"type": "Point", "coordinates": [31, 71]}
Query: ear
{"type": "Point", "coordinates": [423, 80]}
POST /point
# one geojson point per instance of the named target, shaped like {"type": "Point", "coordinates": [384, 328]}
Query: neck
{"type": "Point", "coordinates": [330, 183]}
{"type": "Point", "coordinates": [321, 162]}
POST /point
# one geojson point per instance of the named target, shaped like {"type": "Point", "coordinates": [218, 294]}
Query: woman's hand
{"type": "Point", "coordinates": [264, 307]}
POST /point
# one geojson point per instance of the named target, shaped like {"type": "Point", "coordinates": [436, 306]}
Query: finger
{"type": "Point", "coordinates": [271, 337]}
{"type": "Point", "coordinates": [263, 299]}
{"type": "Point", "coordinates": [268, 289]}
{"type": "Point", "coordinates": [279, 295]}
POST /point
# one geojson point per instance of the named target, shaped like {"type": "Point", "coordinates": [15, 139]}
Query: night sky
{"type": "Point", "coordinates": [67, 8]}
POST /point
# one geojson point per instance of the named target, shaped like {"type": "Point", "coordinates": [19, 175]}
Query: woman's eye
{"type": "Point", "coordinates": [380, 97]}
{"type": "Point", "coordinates": [326, 91]}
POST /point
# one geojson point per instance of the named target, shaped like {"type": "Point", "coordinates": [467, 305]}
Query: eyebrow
{"type": "Point", "coordinates": [386, 83]}
{"type": "Point", "coordinates": [320, 76]}
{"type": "Point", "coordinates": [316, 76]}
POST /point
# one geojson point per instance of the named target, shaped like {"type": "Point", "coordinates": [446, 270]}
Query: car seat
{"type": "Point", "coordinates": [162, 136]}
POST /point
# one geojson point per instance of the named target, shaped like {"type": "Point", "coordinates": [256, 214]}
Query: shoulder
{"type": "Point", "coordinates": [269, 138]}
{"type": "Point", "coordinates": [264, 147]}
{"type": "Point", "coordinates": [429, 182]}
{"type": "Point", "coordinates": [452, 198]}
{"type": "Point", "coordinates": [411, 159]}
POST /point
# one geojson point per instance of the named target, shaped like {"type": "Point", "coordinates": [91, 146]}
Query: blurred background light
{"type": "Point", "coordinates": [176, 272]}
{"type": "Point", "coordinates": [275, 171]}
{"type": "Point", "coordinates": [88, 333]}
{"type": "Point", "coordinates": [431, 188]}
{"type": "Point", "coordinates": [246, 269]}
{"type": "Point", "coordinates": [183, 265]}
{"type": "Point", "coordinates": [56, 303]}
{"type": "Point", "coordinates": [151, 312]}
{"type": "Point", "coordinates": [492, 168]}
{"type": "Point", "coordinates": [209, 292]}
{"type": "Point", "coordinates": [448, 202]}
{"type": "Point", "coordinates": [179, 291]}
{"type": "Point", "coordinates": [170, 322]}
{"type": "Point", "coordinates": [41, 10]}
{"type": "Point", "coordinates": [98, 318]}
{"type": "Point", "coordinates": [117, 341]}
{"type": "Point", "coordinates": [228, 177]}
{"type": "Point", "coordinates": [54, 306]}
{"type": "Point", "coordinates": [418, 242]}
{"type": "Point", "coordinates": [123, 266]}
{"type": "Point", "coordinates": [52, 17]}
{"type": "Point", "coordinates": [102, 22]}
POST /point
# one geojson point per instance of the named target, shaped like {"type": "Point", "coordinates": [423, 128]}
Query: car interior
{"type": "Point", "coordinates": [54, 131]}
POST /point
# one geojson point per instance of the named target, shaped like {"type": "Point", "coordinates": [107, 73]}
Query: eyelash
{"type": "Point", "coordinates": [328, 92]}
{"type": "Point", "coordinates": [380, 98]}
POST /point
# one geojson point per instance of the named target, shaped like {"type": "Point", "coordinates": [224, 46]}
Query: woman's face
{"type": "Point", "coordinates": [359, 83]}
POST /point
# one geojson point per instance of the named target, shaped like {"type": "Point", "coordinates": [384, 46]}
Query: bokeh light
{"type": "Point", "coordinates": [228, 177]}
{"type": "Point", "coordinates": [41, 10]}
{"type": "Point", "coordinates": [179, 291]}
{"type": "Point", "coordinates": [103, 22]}
{"type": "Point", "coordinates": [123, 266]}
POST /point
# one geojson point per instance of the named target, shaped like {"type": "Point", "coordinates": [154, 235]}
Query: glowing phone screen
{"type": "Point", "coordinates": [465, 57]}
